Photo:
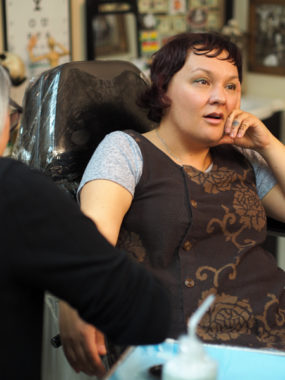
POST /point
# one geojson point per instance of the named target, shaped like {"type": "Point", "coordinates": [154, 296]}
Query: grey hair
{"type": "Point", "coordinates": [5, 84]}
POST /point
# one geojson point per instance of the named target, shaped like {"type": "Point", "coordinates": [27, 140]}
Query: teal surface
{"type": "Point", "coordinates": [234, 363]}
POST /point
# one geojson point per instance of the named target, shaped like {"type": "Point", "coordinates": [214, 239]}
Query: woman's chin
{"type": "Point", "coordinates": [214, 141]}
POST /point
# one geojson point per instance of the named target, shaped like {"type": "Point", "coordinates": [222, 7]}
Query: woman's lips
{"type": "Point", "coordinates": [214, 118]}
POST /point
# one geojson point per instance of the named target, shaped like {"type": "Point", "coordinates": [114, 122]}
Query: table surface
{"type": "Point", "coordinates": [234, 363]}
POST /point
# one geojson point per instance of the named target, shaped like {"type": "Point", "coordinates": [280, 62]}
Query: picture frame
{"type": "Point", "coordinates": [40, 20]}
{"type": "Point", "coordinates": [266, 52]}
{"type": "Point", "coordinates": [177, 7]}
{"type": "Point", "coordinates": [153, 6]}
{"type": "Point", "coordinates": [208, 14]}
{"type": "Point", "coordinates": [110, 35]}
{"type": "Point", "coordinates": [112, 29]}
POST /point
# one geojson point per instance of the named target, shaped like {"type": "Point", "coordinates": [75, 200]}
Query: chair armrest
{"type": "Point", "coordinates": [275, 227]}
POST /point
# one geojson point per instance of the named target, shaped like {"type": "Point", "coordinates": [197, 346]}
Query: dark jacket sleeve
{"type": "Point", "coordinates": [57, 248]}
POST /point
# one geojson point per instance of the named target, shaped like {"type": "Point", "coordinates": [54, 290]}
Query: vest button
{"type": "Point", "coordinates": [189, 282]}
{"type": "Point", "coordinates": [187, 245]}
{"type": "Point", "coordinates": [194, 203]}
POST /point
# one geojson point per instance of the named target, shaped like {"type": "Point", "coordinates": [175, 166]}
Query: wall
{"type": "Point", "coordinates": [77, 32]}
{"type": "Point", "coordinates": [256, 84]}
{"type": "Point", "coordinates": [1, 29]}
{"type": "Point", "coordinates": [77, 20]}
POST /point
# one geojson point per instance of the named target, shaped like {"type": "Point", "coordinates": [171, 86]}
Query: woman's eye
{"type": "Point", "coordinates": [201, 81]}
{"type": "Point", "coordinates": [231, 86]}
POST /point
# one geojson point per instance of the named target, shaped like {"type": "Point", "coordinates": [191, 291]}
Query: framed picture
{"type": "Point", "coordinates": [31, 27]}
{"type": "Point", "coordinates": [153, 6]}
{"type": "Point", "coordinates": [198, 18]}
{"type": "Point", "coordinates": [179, 24]}
{"type": "Point", "coordinates": [208, 14]}
{"type": "Point", "coordinates": [110, 34]}
{"type": "Point", "coordinates": [267, 37]}
{"type": "Point", "coordinates": [163, 24]}
{"type": "Point", "coordinates": [112, 29]}
{"type": "Point", "coordinates": [177, 6]}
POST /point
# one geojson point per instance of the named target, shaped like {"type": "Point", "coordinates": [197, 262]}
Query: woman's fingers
{"type": "Point", "coordinates": [239, 127]}
{"type": "Point", "coordinates": [239, 122]}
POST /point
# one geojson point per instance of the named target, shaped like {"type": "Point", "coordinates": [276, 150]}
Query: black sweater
{"type": "Point", "coordinates": [48, 244]}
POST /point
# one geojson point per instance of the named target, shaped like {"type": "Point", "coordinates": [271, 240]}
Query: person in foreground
{"type": "Point", "coordinates": [189, 199]}
{"type": "Point", "coordinates": [48, 244]}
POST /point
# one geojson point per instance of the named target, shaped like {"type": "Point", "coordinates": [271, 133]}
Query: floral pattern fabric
{"type": "Point", "coordinates": [201, 233]}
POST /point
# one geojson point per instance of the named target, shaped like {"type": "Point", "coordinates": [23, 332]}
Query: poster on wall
{"type": "Point", "coordinates": [38, 32]}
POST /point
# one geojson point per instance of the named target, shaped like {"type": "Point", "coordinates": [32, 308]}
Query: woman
{"type": "Point", "coordinates": [189, 199]}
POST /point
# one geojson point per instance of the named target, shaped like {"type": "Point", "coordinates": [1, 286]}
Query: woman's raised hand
{"type": "Point", "coordinates": [246, 130]}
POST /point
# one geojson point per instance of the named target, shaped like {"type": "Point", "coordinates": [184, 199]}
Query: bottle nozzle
{"type": "Point", "coordinates": [198, 314]}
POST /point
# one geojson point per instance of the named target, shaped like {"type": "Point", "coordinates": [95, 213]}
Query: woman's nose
{"type": "Point", "coordinates": [218, 96]}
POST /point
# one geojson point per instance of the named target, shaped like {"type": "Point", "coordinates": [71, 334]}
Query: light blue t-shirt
{"type": "Point", "coordinates": [118, 158]}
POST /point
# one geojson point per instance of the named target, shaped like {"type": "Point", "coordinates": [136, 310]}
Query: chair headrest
{"type": "Point", "coordinates": [68, 110]}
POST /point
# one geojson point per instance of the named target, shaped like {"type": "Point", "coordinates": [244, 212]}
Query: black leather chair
{"type": "Point", "coordinates": [69, 109]}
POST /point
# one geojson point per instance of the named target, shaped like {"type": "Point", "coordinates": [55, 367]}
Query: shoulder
{"type": "Point", "coordinates": [13, 172]}
{"type": "Point", "coordinates": [256, 160]}
{"type": "Point", "coordinates": [8, 164]}
{"type": "Point", "coordinates": [19, 183]}
{"type": "Point", "coordinates": [265, 179]}
{"type": "Point", "coordinates": [116, 145]}
{"type": "Point", "coordinates": [123, 140]}
{"type": "Point", "coordinates": [117, 158]}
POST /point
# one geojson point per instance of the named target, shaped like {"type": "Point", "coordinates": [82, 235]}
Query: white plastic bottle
{"type": "Point", "coordinates": [192, 361]}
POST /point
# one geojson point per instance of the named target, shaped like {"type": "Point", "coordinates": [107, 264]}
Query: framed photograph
{"type": "Point", "coordinates": [112, 29]}
{"type": "Point", "coordinates": [31, 27]}
{"type": "Point", "coordinates": [214, 20]}
{"type": "Point", "coordinates": [198, 18]}
{"type": "Point", "coordinates": [206, 15]}
{"type": "Point", "coordinates": [267, 37]}
{"type": "Point", "coordinates": [205, 3]}
{"type": "Point", "coordinates": [179, 24]}
{"type": "Point", "coordinates": [110, 35]}
{"type": "Point", "coordinates": [153, 6]}
{"type": "Point", "coordinates": [163, 24]}
{"type": "Point", "coordinates": [177, 6]}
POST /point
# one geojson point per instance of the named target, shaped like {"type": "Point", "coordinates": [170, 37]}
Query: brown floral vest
{"type": "Point", "coordinates": [200, 233]}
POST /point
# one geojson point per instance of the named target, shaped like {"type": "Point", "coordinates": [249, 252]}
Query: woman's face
{"type": "Point", "coordinates": [203, 93]}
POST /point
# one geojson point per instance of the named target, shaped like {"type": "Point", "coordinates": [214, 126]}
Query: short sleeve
{"type": "Point", "coordinates": [117, 158]}
{"type": "Point", "coordinates": [265, 179]}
